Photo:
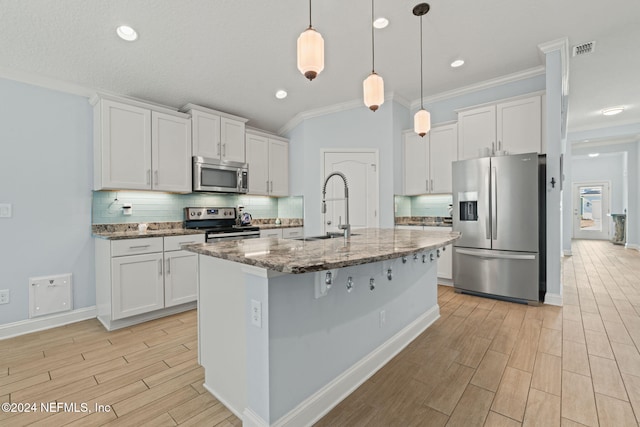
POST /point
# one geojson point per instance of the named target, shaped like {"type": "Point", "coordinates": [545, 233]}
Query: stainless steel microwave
{"type": "Point", "coordinates": [220, 176]}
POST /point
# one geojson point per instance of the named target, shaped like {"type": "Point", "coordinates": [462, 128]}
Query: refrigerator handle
{"type": "Point", "coordinates": [494, 207]}
{"type": "Point", "coordinates": [487, 210]}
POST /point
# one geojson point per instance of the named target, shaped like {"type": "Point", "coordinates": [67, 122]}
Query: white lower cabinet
{"type": "Point", "coordinates": [283, 233]}
{"type": "Point", "coordinates": [445, 254]}
{"type": "Point", "coordinates": [138, 276]}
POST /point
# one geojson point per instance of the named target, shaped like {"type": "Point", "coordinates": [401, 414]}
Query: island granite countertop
{"type": "Point", "coordinates": [303, 256]}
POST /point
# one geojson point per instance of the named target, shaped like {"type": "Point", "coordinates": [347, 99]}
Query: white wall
{"type": "Point", "coordinates": [357, 128]}
{"type": "Point", "coordinates": [46, 174]}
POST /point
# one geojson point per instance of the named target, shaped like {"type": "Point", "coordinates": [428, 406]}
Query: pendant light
{"type": "Point", "coordinates": [373, 86]}
{"type": "Point", "coordinates": [422, 119]}
{"type": "Point", "coordinates": [310, 51]}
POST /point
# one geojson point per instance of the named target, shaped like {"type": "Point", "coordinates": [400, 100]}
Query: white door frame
{"type": "Point", "coordinates": [374, 151]}
{"type": "Point", "coordinates": [606, 209]}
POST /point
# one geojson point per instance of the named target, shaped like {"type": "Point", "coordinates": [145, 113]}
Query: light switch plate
{"type": "Point", "coordinates": [5, 210]}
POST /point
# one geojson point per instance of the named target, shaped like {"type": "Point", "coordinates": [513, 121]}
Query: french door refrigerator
{"type": "Point", "coordinates": [499, 208]}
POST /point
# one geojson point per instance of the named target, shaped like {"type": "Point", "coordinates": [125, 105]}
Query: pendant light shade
{"type": "Point", "coordinates": [422, 119]}
{"type": "Point", "coordinates": [422, 122]}
{"type": "Point", "coordinates": [310, 51]}
{"type": "Point", "coordinates": [373, 86]}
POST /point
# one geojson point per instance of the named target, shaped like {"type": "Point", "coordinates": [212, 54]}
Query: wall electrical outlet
{"type": "Point", "coordinates": [383, 318]}
{"type": "Point", "coordinates": [4, 296]}
{"type": "Point", "coordinates": [5, 210]}
{"type": "Point", "coordinates": [256, 313]}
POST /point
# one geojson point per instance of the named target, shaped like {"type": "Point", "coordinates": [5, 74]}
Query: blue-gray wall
{"type": "Point", "coordinates": [46, 173]}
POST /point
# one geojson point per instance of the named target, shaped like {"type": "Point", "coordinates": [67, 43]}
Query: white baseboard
{"type": "Point", "coordinates": [112, 325]}
{"type": "Point", "coordinates": [445, 282]}
{"type": "Point", "coordinates": [228, 405]}
{"type": "Point", "coordinates": [567, 252]}
{"type": "Point", "coordinates": [320, 403]}
{"type": "Point", "coordinates": [46, 322]}
{"type": "Point", "coordinates": [632, 246]}
{"type": "Point", "coordinates": [553, 299]}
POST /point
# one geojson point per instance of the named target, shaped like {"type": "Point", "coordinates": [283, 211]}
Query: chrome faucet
{"type": "Point", "coordinates": [346, 226]}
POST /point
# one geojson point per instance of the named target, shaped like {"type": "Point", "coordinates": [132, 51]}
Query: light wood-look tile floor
{"type": "Point", "coordinates": [484, 362]}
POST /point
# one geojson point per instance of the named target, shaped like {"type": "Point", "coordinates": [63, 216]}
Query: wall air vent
{"type": "Point", "coordinates": [584, 48]}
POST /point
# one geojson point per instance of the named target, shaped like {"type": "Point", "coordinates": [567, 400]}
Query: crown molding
{"type": "Point", "coordinates": [561, 45]}
{"type": "Point", "coordinates": [46, 82]}
{"type": "Point", "coordinates": [335, 108]}
{"type": "Point", "coordinates": [487, 84]}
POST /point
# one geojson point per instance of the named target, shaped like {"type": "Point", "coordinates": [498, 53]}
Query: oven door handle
{"type": "Point", "coordinates": [239, 234]}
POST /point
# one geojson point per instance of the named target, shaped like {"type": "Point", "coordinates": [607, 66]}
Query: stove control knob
{"type": "Point", "coordinates": [193, 213]}
{"type": "Point", "coordinates": [199, 213]}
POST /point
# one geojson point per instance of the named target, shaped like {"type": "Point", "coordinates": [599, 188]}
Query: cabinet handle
{"type": "Point", "coordinates": [499, 145]}
{"type": "Point", "coordinates": [148, 176]}
{"type": "Point", "coordinates": [156, 176]}
{"type": "Point", "coordinates": [432, 185]}
{"type": "Point", "coordinates": [186, 243]}
{"type": "Point", "coordinates": [139, 247]}
{"type": "Point", "coordinates": [224, 150]}
{"type": "Point", "coordinates": [493, 148]}
{"type": "Point", "coordinates": [169, 266]}
{"type": "Point", "coordinates": [267, 186]}
{"type": "Point", "coordinates": [219, 149]}
{"type": "Point", "coordinates": [160, 267]}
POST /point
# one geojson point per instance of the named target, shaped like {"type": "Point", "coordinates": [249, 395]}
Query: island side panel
{"type": "Point", "coordinates": [313, 341]}
{"type": "Point", "coordinates": [222, 330]}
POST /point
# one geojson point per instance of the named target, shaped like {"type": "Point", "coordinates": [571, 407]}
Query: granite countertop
{"type": "Point", "coordinates": [135, 234]}
{"type": "Point", "coordinates": [429, 221]}
{"type": "Point", "coordinates": [300, 256]}
{"type": "Point", "coordinates": [269, 223]}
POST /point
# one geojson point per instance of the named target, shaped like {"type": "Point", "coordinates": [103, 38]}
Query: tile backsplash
{"type": "Point", "coordinates": [429, 205]}
{"type": "Point", "coordinates": [150, 206]}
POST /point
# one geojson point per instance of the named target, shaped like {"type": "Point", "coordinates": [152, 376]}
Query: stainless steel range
{"type": "Point", "coordinates": [219, 223]}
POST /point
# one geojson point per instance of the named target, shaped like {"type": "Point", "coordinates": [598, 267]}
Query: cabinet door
{"type": "Point", "coordinates": [232, 139]}
{"type": "Point", "coordinates": [125, 147]}
{"type": "Point", "coordinates": [416, 168]}
{"type": "Point", "coordinates": [443, 150]}
{"type": "Point", "coordinates": [137, 285]}
{"type": "Point", "coordinates": [278, 168]}
{"type": "Point", "coordinates": [206, 135]}
{"type": "Point", "coordinates": [180, 278]}
{"type": "Point", "coordinates": [171, 153]}
{"type": "Point", "coordinates": [445, 260]}
{"type": "Point", "coordinates": [273, 232]}
{"type": "Point", "coordinates": [257, 158]}
{"type": "Point", "coordinates": [520, 125]}
{"type": "Point", "coordinates": [476, 131]}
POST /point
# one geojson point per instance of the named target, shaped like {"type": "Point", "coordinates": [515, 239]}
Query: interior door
{"type": "Point", "coordinates": [591, 210]}
{"type": "Point", "coordinates": [361, 170]}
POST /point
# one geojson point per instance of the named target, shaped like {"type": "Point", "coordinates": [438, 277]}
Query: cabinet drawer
{"type": "Point", "coordinates": [173, 243]}
{"type": "Point", "coordinates": [275, 232]}
{"type": "Point", "coordinates": [292, 233]}
{"type": "Point", "coordinates": [136, 246]}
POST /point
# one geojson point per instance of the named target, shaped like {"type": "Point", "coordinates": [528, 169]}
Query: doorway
{"type": "Point", "coordinates": [361, 170]}
{"type": "Point", "coordinates": [591, 210]}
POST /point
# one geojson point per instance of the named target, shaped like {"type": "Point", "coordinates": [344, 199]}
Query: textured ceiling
{"type": "Point", "coordinates": [234, 55]}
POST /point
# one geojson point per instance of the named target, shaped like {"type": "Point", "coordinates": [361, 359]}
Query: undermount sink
{"type": "Point", "coordinates": [325, 236]}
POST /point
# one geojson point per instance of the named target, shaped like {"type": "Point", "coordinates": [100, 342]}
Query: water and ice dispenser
{"type": "Point", "coordinates": [468, 209]}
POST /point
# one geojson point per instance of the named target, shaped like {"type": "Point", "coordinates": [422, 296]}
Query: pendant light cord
{"type": "Point", "coordinates": [310, 14]}
{"type": "Point", "coordinates": [373, 50]}
{"type": "Point", "coordinates": [421, 72]}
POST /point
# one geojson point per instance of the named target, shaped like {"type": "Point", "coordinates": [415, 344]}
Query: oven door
{"type": "Point", "coordinates": [222, 237]}
{"type": "Point", "coordinates": [219, 177]}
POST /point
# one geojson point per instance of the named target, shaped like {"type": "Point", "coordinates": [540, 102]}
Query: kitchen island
{"type": "Point", "coordinates": [289, 328]}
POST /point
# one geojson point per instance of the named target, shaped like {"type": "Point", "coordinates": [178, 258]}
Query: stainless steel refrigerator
{"type": "Point", "coordinates": [499, 207]}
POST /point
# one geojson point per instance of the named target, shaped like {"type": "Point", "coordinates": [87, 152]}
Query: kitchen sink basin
{"type": "Point", "coordinates": [325, 236]}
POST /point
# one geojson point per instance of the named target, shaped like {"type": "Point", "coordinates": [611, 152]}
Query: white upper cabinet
{"type": "Point", "coordinates": [170, 153]}
{"type": "Point", "coordinates": [217, 135]}
{"type": "Point", "coordinates": [268, 159]}
{"type": "Point", "coordinates": [510, 127]}
{"type": "Point", "coordinates": [427, 160]}
{"type": "Point", "coordinates": [139, 147]}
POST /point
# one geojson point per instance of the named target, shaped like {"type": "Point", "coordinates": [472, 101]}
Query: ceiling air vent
{"type": "Point", "coordinates": [584, 48]}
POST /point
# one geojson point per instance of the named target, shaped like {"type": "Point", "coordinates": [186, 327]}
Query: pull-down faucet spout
{"type": "Point", "coordinates": [346, 226]}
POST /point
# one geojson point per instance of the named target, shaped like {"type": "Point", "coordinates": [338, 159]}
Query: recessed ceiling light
{"type": "Point", "coordinates": [612, 111]}
{"type": "Point", "coordinates": [457, 63]}
{"type": "Point", "coordinates": [381, 23]}
{"type": "Point", "coordinates": [126, 33]}
{"type": "Point", "coordinates": [281, 94]}
{"type": "Point", "coordinates": [594, 154]}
